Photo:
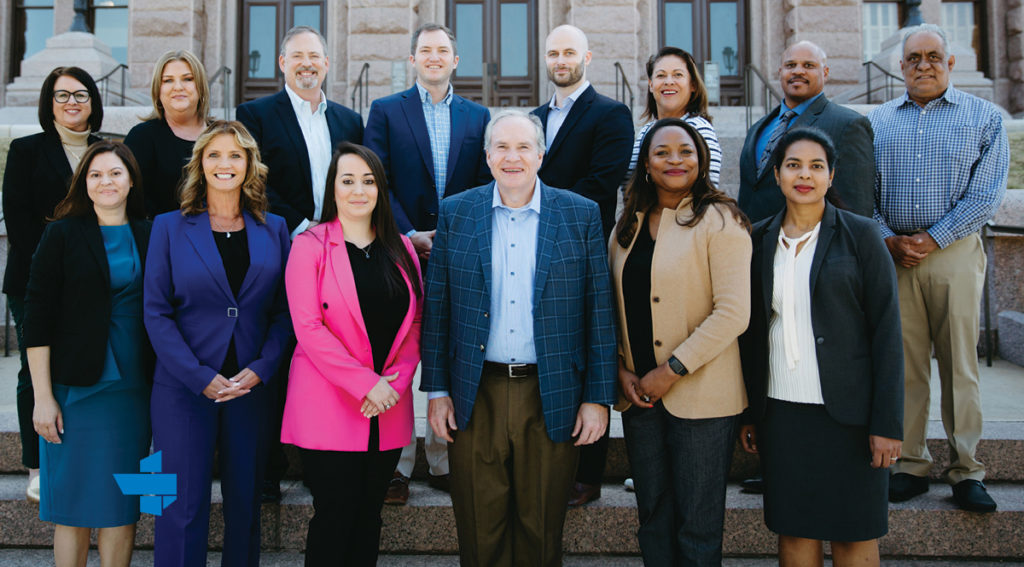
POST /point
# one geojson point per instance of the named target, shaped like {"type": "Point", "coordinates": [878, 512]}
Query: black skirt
{"type": "Point", "coordinates": [818, 479]}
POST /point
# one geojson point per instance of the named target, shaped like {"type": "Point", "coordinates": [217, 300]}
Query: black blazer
{"type": "Point", "coordinates": [67, 305]}
{"type": "Point", "coordinates": [35, 181]}
{"type": "Point", "coordinates": [272, 122]}
{"type": "Point", "coordinates": [760, 196]}
{"type": "Point", "coordinates": [590, 154]}
{"type": "Point", "coordinates": [855, 318]}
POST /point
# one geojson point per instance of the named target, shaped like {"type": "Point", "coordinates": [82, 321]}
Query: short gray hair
{"type": "Point", "coordinates": [924, 28]}
{"type": "Point", "coordinates": [504, 113]}
{"type": "Point", "coordinates": [301, 30]}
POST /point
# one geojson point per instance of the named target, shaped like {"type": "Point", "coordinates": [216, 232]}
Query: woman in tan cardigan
{"type": "Point", "coordinates": [680, 259]}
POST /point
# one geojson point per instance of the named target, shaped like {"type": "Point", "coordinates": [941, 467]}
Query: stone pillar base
{"type": "Point", "coordinates": [72, 48]}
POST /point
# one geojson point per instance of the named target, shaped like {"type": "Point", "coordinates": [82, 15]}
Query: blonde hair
{"type": "Point", "coordinates": [198, 73]}
{"type": "Point", "coordinates": [253, 197]}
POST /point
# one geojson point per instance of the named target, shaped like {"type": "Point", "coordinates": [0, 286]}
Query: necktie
{"type": "Point", "coordinates": [773, 141]}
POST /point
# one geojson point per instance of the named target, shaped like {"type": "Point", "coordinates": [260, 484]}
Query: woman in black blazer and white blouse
{"type": "Point", "coordinates": [823, 364]}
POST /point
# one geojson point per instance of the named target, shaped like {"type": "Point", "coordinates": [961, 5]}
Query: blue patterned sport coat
{"type": "Point", "coordinates": [573, 319]}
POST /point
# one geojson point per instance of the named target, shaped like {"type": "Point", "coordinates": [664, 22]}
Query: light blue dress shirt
{"type": "Point", "coordinates": [439, 129]}
{"type": "Point", "coordinates": [766, 132]}
{"type": "Point", "coordinates": [557, 114]}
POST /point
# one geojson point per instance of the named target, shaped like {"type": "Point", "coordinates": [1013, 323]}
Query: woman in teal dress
{"type": "Point", "coordinates": [90, 358]}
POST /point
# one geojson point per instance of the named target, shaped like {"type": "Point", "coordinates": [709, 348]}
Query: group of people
{"type": "Point", "coordinates": [298, 268]}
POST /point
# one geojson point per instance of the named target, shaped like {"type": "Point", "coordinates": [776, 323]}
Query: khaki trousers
{"type": "Point", "coordinates": [939, 305]}
{"type": "Point", "coordinates": [509, 482]}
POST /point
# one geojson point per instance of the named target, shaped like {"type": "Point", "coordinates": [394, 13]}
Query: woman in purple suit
{"type": "Point", "coordinates": [217, 315]}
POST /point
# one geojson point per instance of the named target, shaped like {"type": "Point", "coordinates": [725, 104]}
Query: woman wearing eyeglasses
{"type": "Point", "coordinates": [39, 168]}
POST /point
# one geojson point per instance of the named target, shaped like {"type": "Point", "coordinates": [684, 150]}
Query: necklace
{"type": "Point", "coordinates": [78, 156]}
{"type": "Point", "coordinates": [227, 233]}
{"type": "Point", "coordinates": [366, 251]}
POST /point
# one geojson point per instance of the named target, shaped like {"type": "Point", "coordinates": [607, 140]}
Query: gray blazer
{"type": "Point", "coordinates": [855, 318]}
{"type": "Point", "coordinates": [760, 196]}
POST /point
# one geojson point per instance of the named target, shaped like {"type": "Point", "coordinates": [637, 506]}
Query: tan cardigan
{"type": "Point", "coordinates": [700, 304]}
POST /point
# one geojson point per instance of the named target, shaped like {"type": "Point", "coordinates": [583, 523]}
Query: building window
{"type": "Point", "coordinates": [33, 25]}
{"type": "Point", "coordinates": [109, 23]}
{"type": "Point", "coordinates": [880, 20]}
{"type": "Point", "coordinates": [962, 22]}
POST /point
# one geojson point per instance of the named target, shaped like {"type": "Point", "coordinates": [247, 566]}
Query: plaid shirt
{"type": "Point", "coordinates": [439, 128]}
{"type": "Point", "coordinates": [941, 168]}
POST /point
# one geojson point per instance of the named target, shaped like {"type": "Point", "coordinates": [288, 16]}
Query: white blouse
{"type": "Point", "coordinates": [792, 359]}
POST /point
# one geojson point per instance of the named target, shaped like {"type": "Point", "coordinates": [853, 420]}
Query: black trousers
{"type": "Point", "coordinates": [348, 490]}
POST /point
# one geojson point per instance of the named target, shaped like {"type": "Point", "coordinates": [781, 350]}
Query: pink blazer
{"type": "Point", "coordinates": [332, 368]}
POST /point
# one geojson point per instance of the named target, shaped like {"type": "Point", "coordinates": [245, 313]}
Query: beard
{"type": "Point", "coordinates": [307, 82]}
{"type": "Point", "coordinates": [575, 74]}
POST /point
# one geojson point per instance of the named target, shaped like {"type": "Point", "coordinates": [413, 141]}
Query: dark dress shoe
{"type": "Point", "coordinates": [753, 485]}
{"type": "Point", "coordinates": [583, 493]}
{"type": "Point", "coordinates": [271, 492]}
{"type": "Point", "coordinates": [398, 490]}
{"type": "Point", "coordinates": [439, 482]}
{"type": "Point", "coordinates": [971, 495]}
{"type": "Point", "coordinates": [904, 486]}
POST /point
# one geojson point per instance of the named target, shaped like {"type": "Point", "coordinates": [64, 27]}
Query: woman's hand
{"type": "Point", "coordinates": [657, 382]}
{"type": "Point", "coordinates": [381, 397]}
{"type": "Point", "coordinates": [748, 438]}
{"type": "Point", "coordinates": [630, 384]}
{"type": "Point", "coordinates": [48, 420]}
{"type": "Point", "coordinates": [219, 387]}
{"type": "Point", "coordinates": [884, 451]}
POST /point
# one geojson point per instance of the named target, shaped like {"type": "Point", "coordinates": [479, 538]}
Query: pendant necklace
{"type": "Point", "coordinates": [227, 233]}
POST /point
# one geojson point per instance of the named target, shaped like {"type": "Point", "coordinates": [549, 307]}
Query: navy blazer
{"type": "Point", "coordinates": [590, 154]}
{"type": "Point", "coordinates": [397, 132]}
{"type": "Point", "coordinates": [191, 313]}
{"type": "Point", "coordinates": [574, 325]}
{"type": "Point", "coordinates": [68, 300]}
{"type": "Point", "coordinates": [760, 196]}
{"type": "Point", "coordinates": [36, 179]}
{"type": "Point", "coordinates": [272, 122]}
{"type": "Point", "coordinates": [855, 318]}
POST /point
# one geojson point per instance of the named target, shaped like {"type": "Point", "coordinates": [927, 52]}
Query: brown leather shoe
{"type": "Point", "coordinates": [583, 493]}
{"type": "Point", "coordinates": [438, 481]}
{"type": "Point", "coordinates": [398, 490]}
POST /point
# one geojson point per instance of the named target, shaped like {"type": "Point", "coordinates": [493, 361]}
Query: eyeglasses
{"type": "Point", "coordinates": [64, 96]}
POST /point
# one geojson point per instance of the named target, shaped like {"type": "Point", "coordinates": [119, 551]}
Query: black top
{"type": "Point", "coordinates": [162, 157]}
{"type": "Point", "coordinates": [636, 293]}
{"type": "Point", "coordinates": [383, 309]}
{"type": "Point", "coordinates": [234, 253]}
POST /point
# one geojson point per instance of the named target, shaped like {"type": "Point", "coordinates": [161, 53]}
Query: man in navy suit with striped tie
{"type": "Point", "coordinates": [519, 348]}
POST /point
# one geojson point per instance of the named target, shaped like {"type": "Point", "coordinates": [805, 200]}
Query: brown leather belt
{"type": "Point", "coordinates": [511, 370]}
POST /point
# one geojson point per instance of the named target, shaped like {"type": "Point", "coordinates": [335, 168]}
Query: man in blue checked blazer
{"type": "Point", "coordinates": [519, 348]}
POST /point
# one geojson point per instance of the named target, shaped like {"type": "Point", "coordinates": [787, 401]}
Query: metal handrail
{"type": "Point", "coordinates": [889, 77]}
{"type": "Point", "coordinates": [620, 92]}
{"type": "Point", "coordinates": [986, 230]}
{"type": "Point", "coordinates": [105, 81]}
{"type": "Point", "coordinates": [224, 74]}
{"type": "Point", "coordinates": [768, 93]}
{"type": "Point", "coordinates": [361, 88]}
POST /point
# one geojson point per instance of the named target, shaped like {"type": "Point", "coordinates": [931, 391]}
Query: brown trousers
{"type": "Point", "coordinates": [509, 482]}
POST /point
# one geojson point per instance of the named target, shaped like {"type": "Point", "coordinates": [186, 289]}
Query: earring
{"type": "Point", "coordinates": [648, 176]}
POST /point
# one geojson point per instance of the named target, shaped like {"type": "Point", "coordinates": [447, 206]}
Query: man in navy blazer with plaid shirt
{"type": "Point", "coordinates": [519, 348]}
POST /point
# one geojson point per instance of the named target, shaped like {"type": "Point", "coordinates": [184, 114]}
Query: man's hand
{"type": "Point", "coordinates": [657, 382]}
{"type": "Point", "coordinates": [630, 384]}
{"type": "Point", "coordinates": [924, 243]}
{"type": "Point", "coordinates": [906, 251]}
{"type": "Point", "coordinates": [441, 415]}
{"type": "Point", "coordinates": [423, 242]}
{"type": "Point", "coordinates": [591, 421]}
{"type": "Point", "coordinates": [748, 438]}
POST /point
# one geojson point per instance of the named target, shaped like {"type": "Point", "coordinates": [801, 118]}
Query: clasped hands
{"type": "Point", "coordinates": [380, 398]}
{"type": "Point", "coordinates": [909, 251]}
{"type": "Point", "coordinates": [645, 392]}
{"type": "Point", "coordinates": [222, 389]}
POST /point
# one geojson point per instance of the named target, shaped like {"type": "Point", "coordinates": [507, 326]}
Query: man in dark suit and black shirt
{"type": "Point", "coordinates": [802, 75]}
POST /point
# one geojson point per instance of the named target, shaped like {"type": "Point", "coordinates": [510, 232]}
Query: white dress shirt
{"type": "Point", "coordinates": [318, 146]}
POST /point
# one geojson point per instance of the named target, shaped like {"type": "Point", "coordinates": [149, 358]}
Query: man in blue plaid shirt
{"type": "Point", "coordinates": [942, 158]}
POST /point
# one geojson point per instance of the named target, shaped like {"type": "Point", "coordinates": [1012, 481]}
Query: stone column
{"type": "Point", "coordinates": [1015, 53]}
{"type": "Point", "coordinates": [611, 28]}
{"type": "Point", "coordinates": [836, 27]}
{"type": "Point", "coordinates": [376, 32]}
{"type": "Point", "coordinates": [155, 27]}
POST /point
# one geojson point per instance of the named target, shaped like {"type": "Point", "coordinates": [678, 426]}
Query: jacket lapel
{"type": "Point", "coordinates": [412, 107]}
{"type": "Point", "coordinates": [90, 232]}
{"type": "Point", "coordinates": [458, 114]}
{"type": "Point", "coordinates": [579, 108]}
{"type": "Point", "coordinates": [341, 269]}
{"type": "Point", "coordinates": [547, 231]}
{"type": "Point", "coordinates": [286, 114]}
{"type": "Point", "coordinates": [809, 116]}
{"type": "Point", "coordinates": [58, 159]}
{"type": "Point", "coordinates": [260, 246]}
{"type": "Point", "coordinates": [484, 215]}
{"type": "Point", "coordinates": [825, 234]}
{"type": "Point", "coordinates": [199, 234]}
{"type": "Point", "coordinates": [763, 122]}
{"type": "Point", "coordinates": [140, 232]}
{"type": "Point", "coordinates": [769, 243]}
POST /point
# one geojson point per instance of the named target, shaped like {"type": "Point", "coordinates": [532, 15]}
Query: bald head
{"type": "Point", "coordinates": [570, 33]}
{"type": "Point", "coordinates": [806, 45]}
{"type": "Point", "coordinates": [803, 72]}
{"type": "Point", "coordinates": [566, 54]}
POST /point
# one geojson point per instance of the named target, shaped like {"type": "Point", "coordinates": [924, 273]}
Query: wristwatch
{"type": "Point", "coordinates": [676, 366]}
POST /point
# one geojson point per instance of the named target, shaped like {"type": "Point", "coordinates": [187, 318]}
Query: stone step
{"type": "Point", "coordinates": [927, 526]}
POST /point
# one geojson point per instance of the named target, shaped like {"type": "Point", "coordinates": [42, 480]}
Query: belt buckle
{"type": "Point", "coordinates": [233, 312]}
{"type": "Point", "coordinates": [512, 368]}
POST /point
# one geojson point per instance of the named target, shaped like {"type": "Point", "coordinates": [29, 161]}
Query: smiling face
{"type": "Point", "coordinates": [925, 67]}
{"type": "Point", "coordinates": [802, 73]}
{"type": "Point", "coordinates": [672, 162]}
{"type": "Point", "coordinates": [72, 114]}
{"type": "Point", "coordinates": [355, 189]}
{"type": "Point", "coordinates": [224, 164]}
{"type": "Point", "coordinates": [108, 182]}
{"type": "Point", "coordinates": [513, 155]}
{"type": "Point", "coordinates": [178, 92]}
{"type": "Point", "coordinates": [566, 56]}
{"type": "Point", "coordinates": [304, 62]}
{"type": "Point", "coordinates": [434, 58]}
{"type": "Point", "coordinates": [804, 175]}
{"type": "Point", "coordinates": [671, 87]}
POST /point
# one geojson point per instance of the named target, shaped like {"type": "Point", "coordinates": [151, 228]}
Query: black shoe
{"type": "Point", "coordinates": [904, 486]}
{"type": "Point", "coordinates": [971, 495]}
{"type": "Point", "coordinates": [271, 492]}
{"type": "Point", "coordinates": [753, 485]}
{"type": "Point", "coordinates": [439, 482]}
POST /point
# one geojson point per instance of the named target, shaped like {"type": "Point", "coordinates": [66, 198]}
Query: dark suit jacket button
{"type": "Point", "coordinates": [657, 343]}
{"type": "Point", "coordinates": [486, 314]}
{"type": "Point", "coordinates": [481, 348]}
{"type": "Point", "coordinates": [325, 305]}
{"type": "Point", "coordinates": [656, 299]}
{"type": "Point", "coordinates": [821, 340]}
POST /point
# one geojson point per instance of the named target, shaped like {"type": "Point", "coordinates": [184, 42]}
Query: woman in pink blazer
{"type": "Point", "coordinates": [355, 296]}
